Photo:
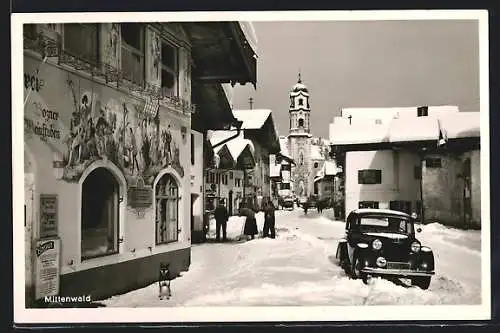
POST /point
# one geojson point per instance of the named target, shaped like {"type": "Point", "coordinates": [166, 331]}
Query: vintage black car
{"type": "Point", "coordinates": [382, 242]}
{"type": "Point", "coordinates": [286, 202]}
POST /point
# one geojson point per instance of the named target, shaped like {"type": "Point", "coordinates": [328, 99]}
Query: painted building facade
{"type": "Point", "coordinates": [109, 176]}
{"type": "Point", "coordinates": [423, 160]}
{"type": "Point", "coordinates": [108, 155]}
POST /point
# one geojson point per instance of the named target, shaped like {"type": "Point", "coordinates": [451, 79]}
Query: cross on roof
{"type": "Point", "coordinates": [350, 117]}
{"type": "Point", "coordinates": [300, 78]}
{"type": "Point", "coordinates": [250, 101]}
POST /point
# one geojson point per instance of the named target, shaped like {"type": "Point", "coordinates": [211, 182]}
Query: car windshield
{"type": "Point", "coordinates": [379, 223]}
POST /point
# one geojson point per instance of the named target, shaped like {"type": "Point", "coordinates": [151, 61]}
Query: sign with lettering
{"type": "Point", "coordinates": [47, 261]}
{"type": "Point", "coordinates": [140, 197]}
{"type": "Point", "coordinates": [48, 215]}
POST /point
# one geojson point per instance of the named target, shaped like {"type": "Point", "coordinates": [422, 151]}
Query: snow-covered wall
{"type": "Point", "coordinates": [398, 181]}
{"type": "Point", "coordinates": [197, 180]}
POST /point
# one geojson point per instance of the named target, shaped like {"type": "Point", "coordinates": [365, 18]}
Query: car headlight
{"type": "Point", "coordinates": [377, 244]}
{"type": "Point", "coordinates": [381, 262]}
{"type": "Point", "coordinates": [415, 246]}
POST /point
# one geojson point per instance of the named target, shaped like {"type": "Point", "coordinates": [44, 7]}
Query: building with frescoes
{"type": "Point", "coordinates": [423, 160]}
{"type": "Point", "coordinates": [108, 151]}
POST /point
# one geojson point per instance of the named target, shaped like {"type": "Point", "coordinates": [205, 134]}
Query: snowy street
{"type": "Point", "coordinates": [299, 268]}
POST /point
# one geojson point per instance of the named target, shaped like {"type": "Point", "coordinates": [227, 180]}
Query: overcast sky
{"type": "Point", "coordinates": [363, 64]}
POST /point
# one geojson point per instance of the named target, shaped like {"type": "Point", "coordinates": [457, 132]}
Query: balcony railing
{"type": "Point", "coordinates": [50, 48]}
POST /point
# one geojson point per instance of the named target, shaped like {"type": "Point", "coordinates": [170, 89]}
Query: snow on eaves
{"type": "Point", "coordinates": [235, 145]}
{"type": "Point", "coordinates": [252, 119]}
{"type": "Point", "coordinates": [462, 125]}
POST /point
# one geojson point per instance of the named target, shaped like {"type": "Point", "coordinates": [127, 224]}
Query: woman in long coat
{"type": "Point", "coordinates": [250, 228]}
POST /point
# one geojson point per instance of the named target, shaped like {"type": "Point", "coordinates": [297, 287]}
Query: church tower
{"type": "Point", "coordinates": [299, 137]}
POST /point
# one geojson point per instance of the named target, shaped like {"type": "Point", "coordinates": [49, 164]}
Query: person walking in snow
{"type": "Point", "coordinates": [250, 228]}
{"type": "Point", "coordinates": [221, 216]}
{"type": "Point", "coordinates": [269, 220]}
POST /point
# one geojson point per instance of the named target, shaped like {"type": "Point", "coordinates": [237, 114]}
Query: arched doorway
{"type": "Point", "coordinates": [167, 210]}
{"type": "Point", "coordinates": [100, 214]}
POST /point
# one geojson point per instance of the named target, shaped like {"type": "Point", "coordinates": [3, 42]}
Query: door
{"type": "Point", "coordinates": [230, 203]}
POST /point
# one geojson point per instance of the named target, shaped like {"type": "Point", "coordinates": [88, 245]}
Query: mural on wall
{"type": "Point", "coordinates": [129, 136]}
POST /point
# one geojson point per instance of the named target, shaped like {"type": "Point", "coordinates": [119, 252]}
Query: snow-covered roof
{"type": "Point", "coordinates": [418, 129]}
{"type": "Point", "coordinates": [341, 133]}
{"type": "Point", "coordinates": [379, 211]}
{"type": "Point", "coordinates": [398, 112]}
{"type": "Point", "coordinates": [316, 152]}
{"type": "Point", "coordinates": [365, 130]}
{"type": "Point", "coordinates": [235, 146]}
{"type": "Point", "coordinates": [462, 125]}
{"type": "Point", "coordinates": [252, 119]}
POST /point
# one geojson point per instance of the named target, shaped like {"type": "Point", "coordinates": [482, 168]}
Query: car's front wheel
{"type": "Point", "coordinates": [422, 282]}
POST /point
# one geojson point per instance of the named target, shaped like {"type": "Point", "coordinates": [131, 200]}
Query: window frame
{"type": "Point", "coordinates": [93, 58]}
{"type": "Point", "coordinates": [172, 71]}
{"type": "Point", "coordinates": [139, 52]}
{"type": "Point", "coordinates": [423, 111]}
{"type": "Point", "coordinates": [433, 162]}
{"type": "Point", "coordinates": [167, 196]}
{"type": "Point", "coordinates": [362, 177]}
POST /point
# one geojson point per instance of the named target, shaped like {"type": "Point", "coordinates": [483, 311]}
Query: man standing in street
{"type": "Point", "coordinates": [221, 216]}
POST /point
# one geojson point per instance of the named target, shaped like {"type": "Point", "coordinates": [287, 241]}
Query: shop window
{"type": "Point", "coordinates": [417, 172]}
{"type": "Point", "coordinates": [192, 149]}
{"type": "Point", "coordinates": [433, 162]}
{"type": "Point", "coordinates": [82, 41]}
{"type": "Point", "coordinates": [133, 52]}
{"type": "Point", "coordinates": [402, 206]}
{"type": "Point", "coordinates": [369, 176]}
{"type": "Point", "coordinates": [167, 210]}
{"type": "Point", "coordinates": [368, 204]}
{"type": "Point", "coordinates": [169, 69]}
{"type": "Point", "coordinates": [100, 214]}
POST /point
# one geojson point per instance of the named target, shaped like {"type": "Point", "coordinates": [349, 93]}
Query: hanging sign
{"type": "Point", "coordinates": [48, 215]}
{"type": "Point", "coordinates": [47, 258]}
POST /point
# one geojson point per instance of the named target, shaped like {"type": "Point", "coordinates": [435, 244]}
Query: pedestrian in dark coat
{"type": "Point", "coordinates": [269, 220]}
{"type": "Point", "coordinates": [221, 216]}
{"type": "Point", "coordinates": [250, 228]}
